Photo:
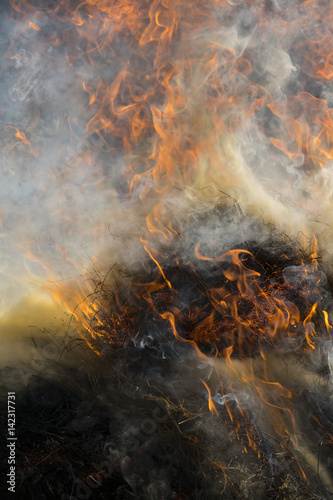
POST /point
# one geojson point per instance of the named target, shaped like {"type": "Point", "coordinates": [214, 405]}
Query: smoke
{"type": "Point", "coordinates": [233, 111]}
{"type": "Point", "coordinates": [165, 177]}
{"type": "Point", "coordinates": [56, 198]}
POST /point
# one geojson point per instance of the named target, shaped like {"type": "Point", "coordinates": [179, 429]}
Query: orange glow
{"type": "Point", "coordinates": [22, 137]}
{"type": "Point", "coordinates": [328, 326]}
{"type": "Point", "coordinates": [211, 405]}
{"type": "Point", "coordinates": [156, 262]}
{"type": "Point", "coordinates": [170, 317]}
{"type": "Point", "coordinates": [312, 135]}
{"type": "Point", "coordinates": [34, 26]}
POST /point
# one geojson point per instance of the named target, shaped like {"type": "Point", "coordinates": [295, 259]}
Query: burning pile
{"type": "Point", "coordinates": [175, 158]}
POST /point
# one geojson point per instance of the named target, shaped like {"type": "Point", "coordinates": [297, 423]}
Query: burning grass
{"type": "Point", "coordinates": [183, 398]}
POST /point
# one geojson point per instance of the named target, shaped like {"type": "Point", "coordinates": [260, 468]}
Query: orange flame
{"type": "Point", "coordinates": [211, 405]}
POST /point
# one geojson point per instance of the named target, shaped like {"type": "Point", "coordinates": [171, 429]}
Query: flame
{"type": "Point", "coordinates": [211, 405]}
{"type": "Point", "coordinates": [267, 315]}
{"type": "Point", "coordinates": [22, 137]}
{"type": "Point", "coordinates": [156, 262]}
{"type": "Point", "coordinates": [176, 90]}
{"type": "Point", "coordinates": [172, 104]}
{"type": "Point", "coordinates": [155, 106]}
{"type": "Point", "coordinates": [311, 136]}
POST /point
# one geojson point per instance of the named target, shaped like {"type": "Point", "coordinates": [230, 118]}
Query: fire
{"type": "Point", "coordinates": [22, 137]}
{"type": "Point", "coordinates": [170, 103]}
{"type": "Point", "coordinates": [211, 405]}
{"type": "Point", "coordinates": [312, 136]}
{"type": "Point", "coordinates": [174, 102]}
